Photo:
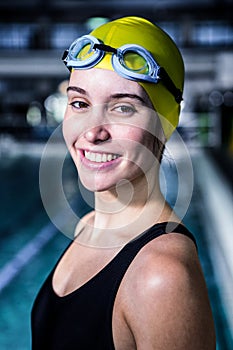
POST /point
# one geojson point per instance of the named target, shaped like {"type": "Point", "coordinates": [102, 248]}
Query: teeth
{"type": "Point", "coordinates": [100, 157]}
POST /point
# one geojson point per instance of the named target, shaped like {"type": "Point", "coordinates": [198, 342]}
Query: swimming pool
{"type": "Point", "coordinates": [30, 245]}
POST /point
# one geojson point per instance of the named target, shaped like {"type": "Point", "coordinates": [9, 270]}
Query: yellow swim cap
{"type": "Point", "coordinates": [136, 30]}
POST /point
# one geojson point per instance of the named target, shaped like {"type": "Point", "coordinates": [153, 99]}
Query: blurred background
{"type": "Point", "coordinates": [33, 36]}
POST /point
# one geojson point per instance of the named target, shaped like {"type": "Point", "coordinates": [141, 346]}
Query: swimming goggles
{"type": "Point", "coordinates": [130, 61]}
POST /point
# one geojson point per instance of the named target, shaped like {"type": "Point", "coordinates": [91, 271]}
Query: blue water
{"type": "Point", "coordinates": [22, 219]}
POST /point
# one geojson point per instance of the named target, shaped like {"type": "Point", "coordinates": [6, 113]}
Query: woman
{"type": "Point", "coordinates": [131, 279]}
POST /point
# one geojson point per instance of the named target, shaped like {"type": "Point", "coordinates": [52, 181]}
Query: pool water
{"type": "Point", "coordinates": [30, 245]}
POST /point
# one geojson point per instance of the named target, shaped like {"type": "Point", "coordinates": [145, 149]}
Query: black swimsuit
{"type": "Point", "coordinates": [82, 320]}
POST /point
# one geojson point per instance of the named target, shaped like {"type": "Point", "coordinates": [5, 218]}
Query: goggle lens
{"type": "Point", "coordinates": [85, 52]}
{"type": "Point", "coordinates": [135, 62]}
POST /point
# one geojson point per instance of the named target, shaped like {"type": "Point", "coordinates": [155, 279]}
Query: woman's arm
{"type": "Point", "coordinates": [169, 306]}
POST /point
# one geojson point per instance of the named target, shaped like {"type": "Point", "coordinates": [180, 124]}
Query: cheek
{"type": "Point", "coordinates": [138, 139]}
{"type": "Point", "coordinates": [66, 126]}
{"type": "Point", "coordinates": [148, 136]}
{"type": "Point", "coordinates": [71, 128]}
{"type": "Point", "coordinates": [68, 131]}
{"type": "Point", "coordinates": [143, 148]}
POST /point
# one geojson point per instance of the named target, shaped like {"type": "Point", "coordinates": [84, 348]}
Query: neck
{"type": "Point", "coordinates": [127, 210]}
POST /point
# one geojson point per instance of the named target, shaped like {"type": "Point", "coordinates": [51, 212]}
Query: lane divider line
{"type": "Point", "coordinates": [13, 267]}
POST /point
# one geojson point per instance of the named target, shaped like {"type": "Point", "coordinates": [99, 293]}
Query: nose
{"type": "Point", "coordinates": [97, 130]}
{"type": "Point", "coordinates": [97, 134]}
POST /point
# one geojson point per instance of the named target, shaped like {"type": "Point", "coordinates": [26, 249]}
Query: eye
{"type": "Point", "coordinates": [125, 109]}
{"type": "Point", "coordinates": [79, 105]}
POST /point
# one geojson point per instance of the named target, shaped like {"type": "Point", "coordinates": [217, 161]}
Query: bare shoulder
{"type": "Point", "coordinates": [165, 297]}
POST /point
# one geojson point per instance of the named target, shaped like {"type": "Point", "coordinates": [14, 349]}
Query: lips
{"type": "Point", "coordinates": [100, 157]}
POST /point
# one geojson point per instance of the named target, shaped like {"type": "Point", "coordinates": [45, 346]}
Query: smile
{"type": "Point", "coordinates": [100, 157]}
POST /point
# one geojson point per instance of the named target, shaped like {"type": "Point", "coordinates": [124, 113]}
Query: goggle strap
{"type": "Point", "coordinates": [64, 56]}
{"type": "Point", "coordinates": [105, 48]}
{"type": "Point", "coordinates": [164, 77]}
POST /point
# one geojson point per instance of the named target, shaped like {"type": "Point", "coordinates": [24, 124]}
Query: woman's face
{"type": "Point", "coordinates": [109, 128]}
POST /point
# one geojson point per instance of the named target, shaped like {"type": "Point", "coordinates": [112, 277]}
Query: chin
{"type": "Point", "coordinates": [95, 186]}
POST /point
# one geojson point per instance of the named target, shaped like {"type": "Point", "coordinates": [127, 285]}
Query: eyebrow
{"type": "Point", "coordinates": [125, 95]}
{"type": "Point", "coordinates": [76, 89]}
{"type": "Point", "coordinates": [114, 96]}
